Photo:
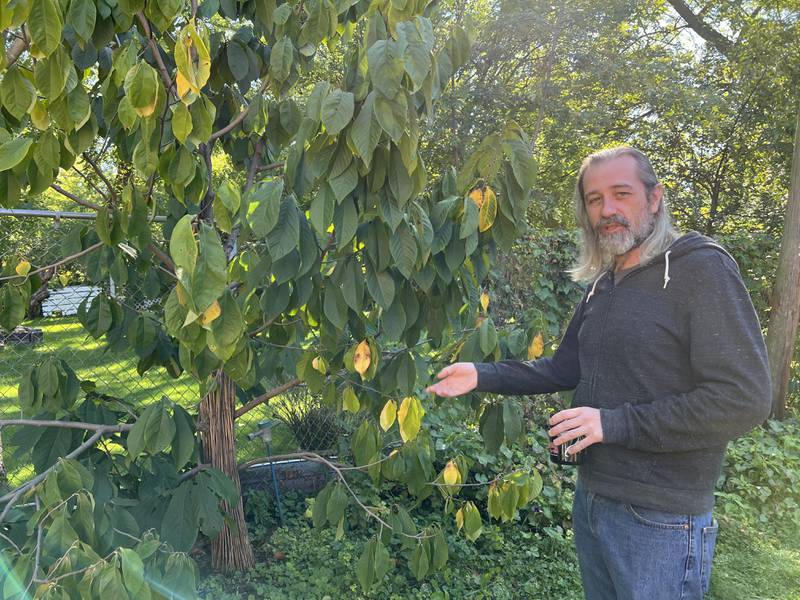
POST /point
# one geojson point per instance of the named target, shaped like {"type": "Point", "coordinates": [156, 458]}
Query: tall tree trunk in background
{"type": "Point", "coordinates": [230, 550]}
{"type": "Point", "coordinates": [785, 305]}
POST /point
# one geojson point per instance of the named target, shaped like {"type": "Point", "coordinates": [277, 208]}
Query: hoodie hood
{"type": "Point", "coordinates": [688, 242]}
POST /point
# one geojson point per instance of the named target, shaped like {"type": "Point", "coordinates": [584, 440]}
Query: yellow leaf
{"type": "Point", "coordinates": [451, 475]}
{"type": "Point", "coordinates": [388, 415]}
{"type": "Point", "coordinates": [211, 313]}
{"type": "Point", "coordinates": [410, 418]}
{"type": "Point", "coordinates": [181, 294]}
{"type": "Point", "coordinates": [488, 210]}
{"type": "Point", "coordinates": [39, 116]}
{"type": "Point", "coordinates": [23, 268]}
{"type": "Point", "coordinates": [536, 348]}
{"type": "Point", "coordinates": [63, 278]}
{"type": "Point", "coordinates": [320, 365]}
{"type": "Point", "coordinates": [485, 301]}
{"type": "Point", "coordinates": [476, 196]}
{"type": "Point", "coordinates": [184, 87]}
{"type": "Point", "coordinates": [362, 358]}
{"type": "Point", "coordinates": [460, 518]}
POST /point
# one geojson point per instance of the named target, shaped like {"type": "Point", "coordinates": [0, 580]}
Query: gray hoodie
{"type": "Point", "coordinates": [674, 358]}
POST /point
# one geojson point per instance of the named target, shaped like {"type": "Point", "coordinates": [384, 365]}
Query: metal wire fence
{"type": "Point", "coordinates": [52, 328]}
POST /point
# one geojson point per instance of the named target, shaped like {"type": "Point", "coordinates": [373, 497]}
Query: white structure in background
{"type": "Point", "coordinates": [65, 301]}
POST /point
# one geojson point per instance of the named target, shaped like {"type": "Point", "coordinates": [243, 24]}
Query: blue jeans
{"type": "Point", "coordinates": [628, 552]}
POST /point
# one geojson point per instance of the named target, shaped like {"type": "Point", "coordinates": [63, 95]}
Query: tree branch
{"type": "Point", "coordinates": [63, 261]}
{"type": "Point", "coordinates": [74, 198]}
{"type": "Point", "coordinates": [264, 397]}
{"type": "Point", "coordinates": [239, 118]}
{"type": "Point", "coordinates": [66, 425]}
{"type": "Point", "coordinates": [17, 48]}
{"type": "Point", "coordinates": [156, 53]}
{"type": "Point", "coordinates": [722, 44]}
{"type": "Point", "coordinates": [102, 176]}
{"type": "Point", "coordinates": [12, 497]}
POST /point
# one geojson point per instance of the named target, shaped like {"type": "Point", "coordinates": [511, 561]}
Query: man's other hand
{"type": "Point", "coordinates": [573, 423]}
{"type": "Point", "coordinates": [456, 379]}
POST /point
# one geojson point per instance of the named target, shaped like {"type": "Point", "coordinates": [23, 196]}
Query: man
{"type": "Point", "coordinates": [668, 364]}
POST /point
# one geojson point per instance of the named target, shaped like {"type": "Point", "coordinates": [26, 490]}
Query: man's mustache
{"type": "Point", "coordinates": [612, 220]}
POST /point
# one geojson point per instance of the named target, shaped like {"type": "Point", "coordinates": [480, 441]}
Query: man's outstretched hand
{"type": "Point", "coordinates": [455, 380]}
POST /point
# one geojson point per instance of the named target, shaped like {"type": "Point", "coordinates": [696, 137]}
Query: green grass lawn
{"type": "Point", "coordinates": [753, 565]}
{"type": "Point", "coordinates": [115, 374]}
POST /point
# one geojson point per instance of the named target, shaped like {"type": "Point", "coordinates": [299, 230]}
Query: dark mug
{"type": "Point", "coordinates": [559, 454]}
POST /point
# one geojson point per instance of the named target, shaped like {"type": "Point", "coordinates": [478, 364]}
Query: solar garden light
{"type": "Point", "coordinates": [264, 432]}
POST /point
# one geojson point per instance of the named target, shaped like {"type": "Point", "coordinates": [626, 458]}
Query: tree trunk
{"type": "Point", "coordinates": [230, 550]}
{"type": "Point", "coordinates": [785, 305]}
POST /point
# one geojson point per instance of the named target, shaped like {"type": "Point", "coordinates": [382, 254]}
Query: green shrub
{"type": "Point", "coordinates": [761, 477]}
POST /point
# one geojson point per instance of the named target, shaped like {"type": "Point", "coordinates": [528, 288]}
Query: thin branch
{"type": "Point", "coordinates": [66, 425]}
{"type": "Point", "coordinates": [195, 471]}
{"type": "Point", "coordinates": [63, 261]}
{"type": "Point", "coordinates": [74, 198]}
{"type": "Point", "coordinates": [239, 118]}
{"type": "Point", "coordinates": [100, 174]}
{"type": "Point", "coordinates": [12, 497]}
{"type": "Point", "coordinates": [91, 183]}
{"type": "Point", "coordinates": [722, 44]}
{"type": "Point", "coordinates": [231, 243]}
{"type": "Point", "coordinates": [266, 396]}
{"type": "Point", "coordinates": [156, 53]}
{"type": "Point", "coordinates": [272, 166]}
{"type": "Point", "coordinates": [17, 48]}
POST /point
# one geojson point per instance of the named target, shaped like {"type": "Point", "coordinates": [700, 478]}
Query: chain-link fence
{"type": "Point", "coordinates": [51, 328]}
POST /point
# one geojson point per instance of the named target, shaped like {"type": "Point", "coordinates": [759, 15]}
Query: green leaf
{"type": "Point", "coordinates": [420, 561]}
{"type": "Point", "coordinates": [440, 551]}
{"type": "Point", "coordinates": [381, 287]}
{"type": "Point", "coordinates": [132, 569]}
{"type": "Point", "coordinates": [51, 73]}
{"type": "Point", "coordinates": [473, 526]}
{"type": "Point", "coordinates": [319, 514]}
{"type": "Point", "coordinates": [512, 420]}
{"type": "Point", "coordinates": [337, 111]}
{"type": "Point", "coordinates": [386, 67]}
{"type": "Point", "coordinates": [403, 247]}
{"type": "Point", "coordinates": [264, 207]}
{"type": "Point", "coordinates": [81, 16]}
{"type": "Point", "coordinates": [211, 272]}
{"type": "Point", "coordinates": [45, 25]}
{"type": "Point", "coordinates": [487, 336]}
{"type": "Point", "coordinates": [281, 58]}
{"type": "Point", "coordinates": [182, 246]}
{"type": "Point", "coordinates": [417, 58]}
{"type": "Point", "coordinates": [322, 207]}
{"type": "Point", "coordinates": [141, 88]}
{"type": "Point", "coordinates": [365, 134]}
{"type": "Point", "coordinates": [13, 152]}
{"type": "Point", "coordinates": [392, 114]}
{"type": "Point", "coordinates": [350, 401]}
{"type": "Point", "coordinates": [179, 526]}
{"type": "Point", "coordinates": [227, 328]}
{"type": "Point", "coordinates": [17, 93]}
{"type": "Point", "coordinates": [184, 443]}
{"type": "Point", "coordinates": [181, 122]}
{"type": "Point", "coordinates": [285, 236]}
{"type": "Point", "coordinates": [337, 503]}
{"type": "Point", "coordinates": [59, 537]}
{"type": "Point", "coordinates": [492, 427]}
{"type": "Point", "coordinates": [335, 307]}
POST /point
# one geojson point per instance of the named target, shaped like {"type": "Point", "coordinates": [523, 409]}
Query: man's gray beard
{"type": "Point", "coordinates": [618, 243]}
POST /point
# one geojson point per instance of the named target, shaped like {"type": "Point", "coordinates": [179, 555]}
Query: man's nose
{"type": "Point", "coordinates": [609, 207]}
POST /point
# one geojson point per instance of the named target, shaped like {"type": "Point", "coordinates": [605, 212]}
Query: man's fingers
{"type": "Point", "coordinates": [570, 435]}
{"type": "Point", "coordinates": [575, 448]}
{"type": "Point", "coordinates": [565, 414]}
{"type": "Point", "coordinates": [565, 426]}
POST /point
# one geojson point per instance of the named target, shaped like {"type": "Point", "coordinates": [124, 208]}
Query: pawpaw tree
{"type": "Point", "coordinates": [326, 257]}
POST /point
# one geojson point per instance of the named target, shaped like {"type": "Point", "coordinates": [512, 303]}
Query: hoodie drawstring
{"type": "Point", "coordinates": [593, 288]}
{"type": "Point", "coordinates": [666, 269]}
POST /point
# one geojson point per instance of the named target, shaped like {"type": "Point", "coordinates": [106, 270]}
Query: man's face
{"type": "Point", "coordinates": [617, 205]}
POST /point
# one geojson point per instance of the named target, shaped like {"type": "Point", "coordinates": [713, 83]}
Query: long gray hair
{"type": "Point", "coordinates": [590, 260]}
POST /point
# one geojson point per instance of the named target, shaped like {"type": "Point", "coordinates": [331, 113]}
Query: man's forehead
{"type": "Point", "coordinates": [618, 172]}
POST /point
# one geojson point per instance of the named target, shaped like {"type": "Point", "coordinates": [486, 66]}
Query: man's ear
{"type": "Point", "coordinates": [656, 195]}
